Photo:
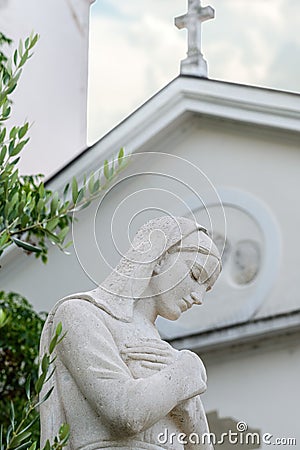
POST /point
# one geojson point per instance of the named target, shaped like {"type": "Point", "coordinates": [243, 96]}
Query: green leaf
{"type": "Point", "coordinates": [13, 133]}
{"type": "Point", "coordinates": [6, 112]}
{"type": "Point", "coordinates": [42, 190]}
{"type": "Point", "coordinates": [34, 41]}
{"type": "Point", "coordinates": [106, 169]}
{"type": "Point", "coordinates": [74, 190]}
{"type": "Point", "coordinates": [53, 343]}
{"type": "Point", "coordinates": [51, 374]}
{"type": "Point", "coordinates": [2, 135]}
{"type": "Point", "coordinates": [15, 56]}
{"type": "Point", "coordinates": [40, 205]}
{"type": "Point", "coordinates": [3, 317]}
{"type": "Point", "coordinates": [2, 154]}
{"type": "Point", "coordinates": [96, 186]}
{"type": "Point", "coordinates": [66, 190]}
{"type": "Point", "coordinates": [68, 244]}
{"type": "Point", "coordinates": [20, 48]}
{"type": "Point", "coordinates": [58, 330]}
{"type": "Point", "coordinates": [31, 424]}
{"type": "Point", "coordinates": [4, 238]}
{"type": "Point", "coordinates": [52, 237]}
{"type": "Point", "coordinates": [12, 415]}
{"type": "Point", "coordinates": [27, 387]}
{"type": "Point", "coordinates": [23, 59]}
{"type": "Point", "coordinates": [52, 224]}
{"type": "Point", "coordinates": [19, 438]}
{"type": "Point", "coordinates": [9, 430]}
{"type": "Point", "coordinates": [112, 169]}
{"type": "Point", "coordinates": [23, 130]}
{"type": "Point", "coordinates": [14, 178]}
{"type": "Point", "coordinates": [63, 233]}
{"type": "Point", "coordinates": [64, 431]}
{"type": "Point", "coordinates": [91, 183]}
{"type": "Point", "coordinates": [45, 397]}
{"type": "Point", "coordinates": [47, 445]}
{"type": "Point", "coordinates": [13, 201]}
{"type": "Point", "coordinates": [18, 148]}
{"type": "Point", "coordinates": [80, 195]}
{"type": "Point", "coordinates": [23, 446]}
{"type": "Point", "coordinates": [120, 156]}
{"type": "Point", "coordinates": [26, 246]}
{"type": "Point", "coordinates": [54, 204]}
{"type": "Point", "coordinates": [24, 220]}
{"type": "Point", "coordinates": [45, 363]}
{"type": "Point", "coordinates": [33, 446]}
{"type": "Point", "coordinates": [15, 161]}
{"type": "Point", "coordinates": [40, 381]}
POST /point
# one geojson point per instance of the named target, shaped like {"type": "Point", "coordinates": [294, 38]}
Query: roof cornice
{"type": "Point", "coordinates": [241, 333]}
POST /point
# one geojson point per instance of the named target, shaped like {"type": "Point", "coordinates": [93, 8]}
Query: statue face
{"type": "Point", "coordinates": [185, 277]}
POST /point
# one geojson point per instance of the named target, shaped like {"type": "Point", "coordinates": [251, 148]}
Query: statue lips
{"type": "Point", "coordinates": [188, 301]}
{"type": "Point", "coordinates": [186, 305]}
{"type": "Point", "coordinates": [197, 299]}
{"type": "Point", "coordinates": [192, 299]}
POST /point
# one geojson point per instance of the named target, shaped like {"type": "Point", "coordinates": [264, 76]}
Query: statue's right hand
{"type": "Point", "coordinates": [154, 354]}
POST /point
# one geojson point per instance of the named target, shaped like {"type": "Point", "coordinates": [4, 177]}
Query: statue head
{"type": "Point", "coordinates": [184, 274]}
{"type": "Point", "coordinates": [172, 260]}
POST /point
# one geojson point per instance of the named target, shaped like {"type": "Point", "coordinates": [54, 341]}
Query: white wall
{"type": "Point", "coordinates": [257, 385]}
{"type": "Point", "coordinates": [52, 93]}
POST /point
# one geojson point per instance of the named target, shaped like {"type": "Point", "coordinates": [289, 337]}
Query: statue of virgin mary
{"type": "Point", "coordinates": [117, 383]}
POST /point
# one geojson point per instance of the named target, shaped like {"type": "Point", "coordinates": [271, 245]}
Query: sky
{"type": "Point", "coordinates": [135, 50]}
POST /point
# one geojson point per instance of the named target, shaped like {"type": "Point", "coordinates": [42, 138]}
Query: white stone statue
{"type": "Point", "coordinates": [117, 383]}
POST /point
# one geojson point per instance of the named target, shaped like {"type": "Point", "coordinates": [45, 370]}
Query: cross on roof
{"type": "Point", "coordinates": [194, 63]}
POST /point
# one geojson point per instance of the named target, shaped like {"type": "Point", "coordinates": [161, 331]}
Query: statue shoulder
{"type": "Point", "coordinates": [77, 308]}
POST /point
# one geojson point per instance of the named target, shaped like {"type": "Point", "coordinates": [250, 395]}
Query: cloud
{"type": "Point", "coordinates": [129, 62]}
{"type": "Point", "coordinates": [135, 50]}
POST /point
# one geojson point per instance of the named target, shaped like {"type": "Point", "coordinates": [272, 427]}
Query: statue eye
{"type": "Point", "coordinates": [195, 273]}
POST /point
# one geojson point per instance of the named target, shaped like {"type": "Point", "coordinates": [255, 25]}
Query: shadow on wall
{"type": "Point", "coordinates": [230, 433]}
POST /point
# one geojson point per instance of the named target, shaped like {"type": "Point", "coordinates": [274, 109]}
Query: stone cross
{"type": "Point", "coordinates": [194, 63]}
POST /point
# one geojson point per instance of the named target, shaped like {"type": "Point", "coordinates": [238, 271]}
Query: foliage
{"type": "Point", "coordinates": [32, 216]}
{"type": "Point", "coordinates": [3, 57]}
{"type": "Point", "coordinates": [20, 329]}
{"type": "Point", "coordinates": [19, 434]}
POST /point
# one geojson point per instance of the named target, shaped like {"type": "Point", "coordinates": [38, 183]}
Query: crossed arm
{"type": "Point", "coordinates": [90, 354]}
{"type": "Point", "coordinates": [189, 414]}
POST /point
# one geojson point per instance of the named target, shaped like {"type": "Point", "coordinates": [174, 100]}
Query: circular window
{"type": "Point", "coordinates": [250, 259]}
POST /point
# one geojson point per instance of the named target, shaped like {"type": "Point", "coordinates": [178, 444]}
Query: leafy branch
{"type": "Point", "coordinates": [19, 435]}
{"type": "Point", "coordinates": [32, 216]}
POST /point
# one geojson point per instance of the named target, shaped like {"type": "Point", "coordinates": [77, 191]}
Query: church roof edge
{"type": "Point", "coordinates": [188, 85]}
